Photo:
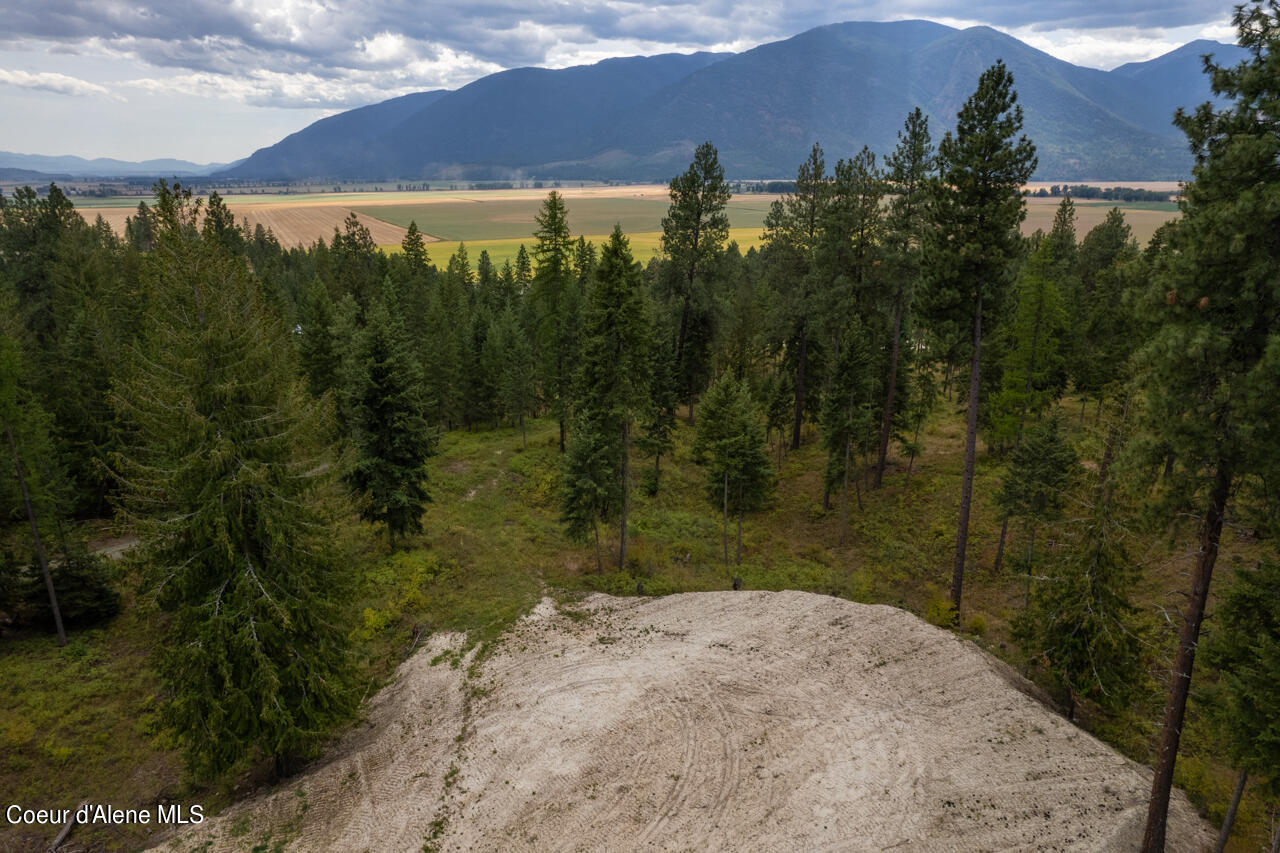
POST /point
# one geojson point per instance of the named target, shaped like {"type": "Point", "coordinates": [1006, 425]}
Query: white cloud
{"type": "Point", "coordinates": [52, 81]}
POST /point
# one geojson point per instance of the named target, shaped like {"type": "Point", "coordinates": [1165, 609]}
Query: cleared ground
{"type": "Point", "coordinates": [708, 721]}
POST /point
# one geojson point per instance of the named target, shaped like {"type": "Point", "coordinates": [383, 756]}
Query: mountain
{"type": "Point", "coordinates": [105, 167]}
{"type": "Point", "coordinates": [843, 85]}
{"type": "Point", "coordinates": [1164, 82]}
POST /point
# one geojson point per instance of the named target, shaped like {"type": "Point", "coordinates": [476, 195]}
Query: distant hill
{"type": "Point", "coordinates": [843, 85]}
{"type": "Point", "coordinates": [105, 167]}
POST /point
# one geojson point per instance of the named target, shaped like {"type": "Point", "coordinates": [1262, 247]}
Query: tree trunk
{"type": "Point", "coordinates": [887, 423]}
{"type": "Point", "coordinates": [1175, 709]}
{"type": "Point", "coordinates": [724, 528]}
{"type": "Point", "coordinates": [524, 435]}
{"type": "Point", "coordinates": [911, 462]}
{"type": "Point", "coordinates": [739, 559]}
{"type": "Point", "coordinates": [1084, 401]}
{"type": "Point", "coordinates": [1227, 821]}
{"type": "Point", "coordinates": [626, 492]}
{"type": "Point", "coordinates": [1275, 839]}
{"type": "Point", "coordinates": [800, 368]}
{"type": "Point", "coordinates": [561, 433]}
{"type": "Point", "coordinates": [844, 497]}
{"type": "Point", "coordinates": [970, 457]}
{"type": "Point", "coordinates": [599, 559]}
{"type": "Point", "coordinates": [1031, 553]}
{"type": "Point", "coordinates": [1004, 532]}
{"type": "Point", "coordinates": [35, 535]}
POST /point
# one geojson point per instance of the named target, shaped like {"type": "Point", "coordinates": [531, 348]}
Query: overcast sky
{"type": "Point", "coordinates": [213, 80]}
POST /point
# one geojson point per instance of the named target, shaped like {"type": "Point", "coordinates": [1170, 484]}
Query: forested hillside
{"type": "Point", "coordinates": [324, 453]}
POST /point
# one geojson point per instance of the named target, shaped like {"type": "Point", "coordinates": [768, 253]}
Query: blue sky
{"type": "Point", "coordinates": [213, 80]}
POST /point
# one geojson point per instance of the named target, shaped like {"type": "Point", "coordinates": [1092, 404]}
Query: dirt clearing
{"type": "Point", "coordinates": [709, 721]}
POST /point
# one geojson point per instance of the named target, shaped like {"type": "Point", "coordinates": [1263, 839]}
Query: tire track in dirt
{"type": "Point", "coordinates": [720, 722]}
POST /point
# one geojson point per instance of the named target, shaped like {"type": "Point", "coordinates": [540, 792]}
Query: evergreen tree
{"type": "Point", "coordinates": [1033, 371]}
{"type": "Point", "coordinates": [1209, 370]}
{"type": "Point", "coordinates": [1080, 624]}
{"type": "Point", "coordinates": [556, 303]}
{"type": "Point", "coordinates": [792, 231]}
{"type": "Point", "coordinates": [613, 382]}
{"type": "Point", "coordinates": [659, 425]}
{"type": "Point", "coordinates": [1244, 646]}
{"type": "Point", "coordinates": [1034, 488]}
{"type": "Point", "coordinates": [389, 428]}
{"type": "Point", "coordinates": [975, 213]}
{"type": "Point", "coordinates": [517, 372]}
{"type": "Point", "coordinates": [221, 477]}
{"type": "Point", "coordinates": [415, 250]}
{"type": "Point", "coordinates": [730, 441]}
{"type": "Point", "coordinates": [693, 235]}
{"type": "Point", "coordinates": [848, 414]}
{"type": "Point", "coordinates": [26, 436]}
{"type": "Point", "coordinates": [909, 171]}
{"type": "Point", "coordinates": [318, 351]}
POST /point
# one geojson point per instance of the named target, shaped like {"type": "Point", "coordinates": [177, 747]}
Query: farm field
{"type": "Point", "coordinates": [499, 220]}
{"type": "Point", "coordinates": [644, 245]}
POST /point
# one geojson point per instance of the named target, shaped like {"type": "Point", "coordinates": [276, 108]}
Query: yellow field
{"type": "Point", "coordinates": [1040, 212]}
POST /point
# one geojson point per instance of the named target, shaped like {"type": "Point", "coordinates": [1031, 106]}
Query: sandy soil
{"type": "Point", "coordinates": [710, 721]}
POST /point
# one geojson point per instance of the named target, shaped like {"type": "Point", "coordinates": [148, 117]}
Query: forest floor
{"type": "Point", "coordinates": [708, 721]}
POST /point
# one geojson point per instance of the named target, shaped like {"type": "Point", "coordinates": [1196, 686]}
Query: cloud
{"type": "Point", "coordinates": [52, 81]}
{"type": "Point", "coordinates": [338, 53]}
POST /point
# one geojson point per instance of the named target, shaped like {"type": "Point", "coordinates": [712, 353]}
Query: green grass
{"type": "Point", "coordinates": [479, 218]}
{"type": "Point", "coordinates": [79, 724]}
{"type": "Point", "coordinates": [1166, 206]}
{"type": "Point", "coordinates": [644, 245]}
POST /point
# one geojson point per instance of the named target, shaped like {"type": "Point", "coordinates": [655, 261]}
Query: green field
{"type": "Point", "coordinates": [471, 218]}
{"type": "Point", "coordinates": [1165, 206]}
{"type": "Point", "coordinates": [644, 245]}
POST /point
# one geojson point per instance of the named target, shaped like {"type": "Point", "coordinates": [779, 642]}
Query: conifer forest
{"type": "Point", "coordinates": [1063, 447]}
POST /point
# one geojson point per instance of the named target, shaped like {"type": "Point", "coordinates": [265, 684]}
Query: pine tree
{"type": "Point", "coordinates": [909, 171]}
{"type": "Point", "coordinates": [389, 428]}
{"type": "Point", "coordinates": [222, 477]}
{"type": "Point", "coordinates": [318, 351]}
{"type": "Point", "coordinates": [1080, 624]}
{"type": "Point", "coordinates": [1033, 371]}
{"type": "Point", "coordinates": [730, 441]}
{"type": "Point", "coordinates": [415, 250]}
{"type": "Point", "coordinates": [659, 424]}
{"type": "Point", "coordinates": [693, 235]}
{"type": "Point", "coordinates": [1244, 703]}
{"type": "Point", "coordinates": [1034, 488]}
{"type": "Point", "coordinates": [1209, 370]}
{"type": "Point", "coordinates": [848, 413]}
{"type": "Point", "coordinates": [975, 213]}
{"type": "Point", "coordinates": [516, 370]}
{"type": "Point", "coordinates": [792, 231]}
{"type": "Point", "coordinates": [612, 384]}
{"type": "Point", "coordinates": [556, 303]}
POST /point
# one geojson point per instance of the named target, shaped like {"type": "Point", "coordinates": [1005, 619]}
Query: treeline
{"type": "Point", "coordinates": [1086, 191]}
{"type": "Point", "coordinates": [229, 398]}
